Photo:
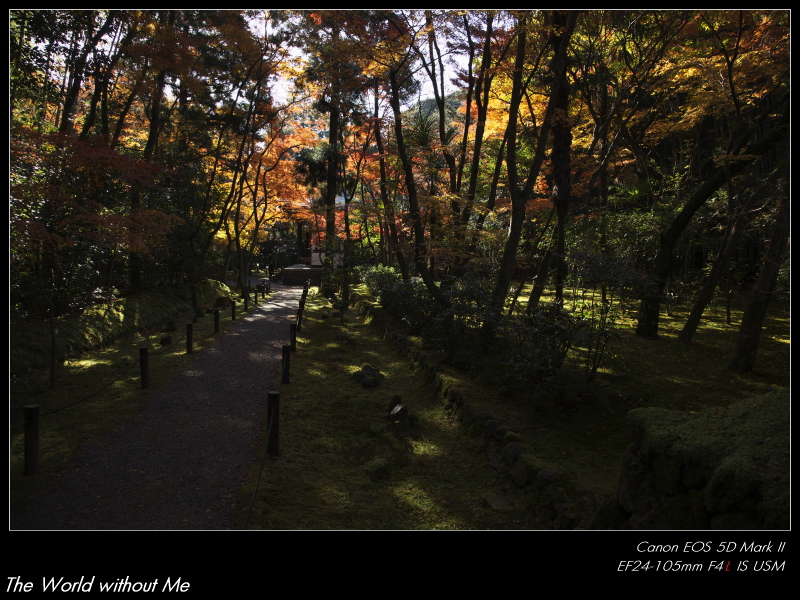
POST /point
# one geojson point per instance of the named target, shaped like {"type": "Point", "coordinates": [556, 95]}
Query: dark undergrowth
{"type": "Point", "coordinates": [342, 466]}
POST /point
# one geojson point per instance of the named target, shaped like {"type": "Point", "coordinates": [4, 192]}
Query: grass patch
{"type": "Point", "coordinates": [342, 468]}
{"type": "Point", "coordinates": [692, 376]}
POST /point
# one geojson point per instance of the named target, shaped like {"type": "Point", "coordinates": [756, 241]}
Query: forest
{"type": "Point", "coordinates": [458, 163]}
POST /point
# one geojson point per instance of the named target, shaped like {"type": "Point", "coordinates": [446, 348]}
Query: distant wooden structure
{"type": "Point", "coordinates": [299, 274]}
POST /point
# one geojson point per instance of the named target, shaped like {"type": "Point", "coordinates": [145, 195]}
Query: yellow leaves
{"type": "Point", "coordinates": [695, 70]}
{"type": "Point", "coordinates": [293, 68]}
{"type": "Point", "coordinates": [733, 158]}
{"type": "Point", "coordinates": [703, 104]}
{"type": "Point", "coordinates": [440, 202]}
{"type": "Point", "coordinates": [496, 119]}
{"type": "Point", "coordinates": [719, 46]}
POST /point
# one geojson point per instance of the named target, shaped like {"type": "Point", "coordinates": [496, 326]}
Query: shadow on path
{"type": "Point", "coordinates": [180, 462]}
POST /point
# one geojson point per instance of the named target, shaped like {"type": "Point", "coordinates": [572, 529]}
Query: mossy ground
{"type": "Point", "coordinates": [440, 475]}
{"type": "Point", "coordinates": [100, 325]}
{"type": "Point", "coordinates": [342, 467]}
{"type": "Point", "coordinates": [335, 433]}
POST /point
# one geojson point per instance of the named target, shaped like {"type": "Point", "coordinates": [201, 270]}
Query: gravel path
{"type": "Point", "coordinates": [180, 462]}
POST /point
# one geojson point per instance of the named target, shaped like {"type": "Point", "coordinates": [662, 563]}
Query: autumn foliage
{"type": "Point", "coordinates": [153, 146]}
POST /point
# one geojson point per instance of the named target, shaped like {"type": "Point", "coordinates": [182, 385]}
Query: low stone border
{"type": "Point", "coordinates": [554, 501]}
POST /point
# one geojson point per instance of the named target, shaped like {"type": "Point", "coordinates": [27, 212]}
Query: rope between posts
{"type": "Point", "coordinates": [165, 350]}
{"type": "Point", "coordinates": [272, 414]}
{"type": "Point", "coordinates": [112, 382]}
{"type": "Point", "coordinates": [271, 421]}
{"type": "Point", "coordinates": [209, 324]}
{"type": "Point", "coordinates": [261, 469]}
{"type": "Point", "coordinates": [55, 410]}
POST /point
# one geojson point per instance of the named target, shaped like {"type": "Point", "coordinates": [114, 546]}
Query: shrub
{"type": "Point", "coordinates": [531, 348]}
{"type": "Point", "coordinates": [411, 302]}
{"type": "Point", "coordinates": [377, 278]}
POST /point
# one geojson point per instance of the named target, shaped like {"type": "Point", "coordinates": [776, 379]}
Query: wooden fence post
{"type": "Point", "coordinates": [216, 320]}
{"type": "Point", "coordinates": [233, 310]}
{"type": "Point", "coordinates": [188, 338]}
{"type": "Point", "coordinates": [285, 365]}
{"type": "Point", "coordinates": [293, 336]}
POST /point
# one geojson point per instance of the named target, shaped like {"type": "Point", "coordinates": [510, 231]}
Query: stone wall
{"type": "Point", "coordinates": [721, 468]}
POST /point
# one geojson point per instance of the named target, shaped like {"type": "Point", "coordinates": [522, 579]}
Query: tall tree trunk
{"type": "Point", "coordinates": [74, 89]}
{"type": "Point", "coordinates": [707, 291]}
{"type": "Point", "coordinates": [102, 78]}
{"type": "Point", "coordinates": [744, 353]}
{"type": "Point", "coordinates": [388, 208]}
{"type": "Point", "coordinates": [331, 246]}
{"type": "Point", "coordinates": [193, 284]}
{"type": "Point", "coordinates": [120, 126]}
{"type": "Point", "coordinates": [562, 141]}
{"type": "Point", "coordinates": [420, 248]}
{"type": "Point", "coordinates": [521, 194]}
{"type": "Point", "coordinates": [490, 201]}
{"type": "Point", "coordinates": [721, 264]}
{"type": "Point", "coordinates": [223, 276]}
{"type": "Point", "coordinates": [603, 182]}
{"type": "Point", "coordinates": [437, 83]}
{"type": "Point", "coordinates": [482, 87]}
{"type": "Point", "coordinates": [135, 260]}
{"type": "Point", "coordinates": [53, 346]}
{"type": "Point", "coordinates": [539, 282]}
{"type": "Point", "coordinates": [519, 198]}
